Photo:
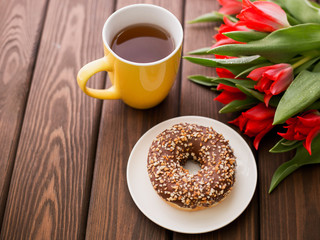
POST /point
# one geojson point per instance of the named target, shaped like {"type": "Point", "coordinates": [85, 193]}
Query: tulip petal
{"type": "Point", "coordinates": [230, 7]}
{"type": "Point", "coordinates": [228, 88]}
{"type": "Point", "coordinates": [258, 138]}
{"type": "Point", "coordinates": [260, 24]}
{"type": "Point", "coordinates": [254, 127]}
{"type": "Point", "coordinates": [225, 41]}
{"type": "Point", "coordinates": [300, 128]}
{"type": "Point", "coordinates": [273, 12]}
{"type": "Point", "coordinates": [227, 97]}
{"type": "Point", "coordinates": [257, 73]}
{"type": "Point", "coordinates": [229, 94]}
{"type": "Point", "coordinates": [282, 80]}
{"type": "Point", "coordinates": [255, 122]}
{"type": "Point", "coordinates": [301, 93]}
{"type": "Point", "coordinates": [264, 84]}
{"type": "Point", "coordinates": [224, 73]}
{"type": "Point", "coordinates": [267, 98]}
{"type": "Point", "coordinates": [246, 3]}
{"type": "Point", "coordinates": [263, 16]}
{"type": "Point", "coordinates": [275, 71]}
{"type": "Point", "coordinates": [310, 137]}
{"type": "Point", "coordinates": [272, 80]}
{"type": "Point", "coordinates": [260, 112]}
{"type": "Point", "coordinates": [229, 26]}
{"type": "Point", "coordinates": [310, 119]}
{"type": "Point", "coordinates": [287, 135]}
{"type": "Point", "coordinates": [240, 122]}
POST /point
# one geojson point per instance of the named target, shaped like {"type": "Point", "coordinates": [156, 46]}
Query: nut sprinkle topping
{"type": "Point", "coordinates": [182, 142]}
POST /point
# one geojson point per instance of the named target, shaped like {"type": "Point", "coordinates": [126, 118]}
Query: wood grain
{"type": "Point", "coordinates": [20, 29]}
{"type": "Point", "coordinates": [50, 187]}
{"type": "Point", "coordinates": [292, 210]}
{"type": "Point", "coordinates": [113, 214]}
{"type": "Point", "coordinates": [196, 100]}
{"type": "Point", "coordinates": [64, 155]}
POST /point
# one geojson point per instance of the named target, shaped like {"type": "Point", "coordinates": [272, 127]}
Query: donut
{"type": "Point", "coordinates": [172, 148]}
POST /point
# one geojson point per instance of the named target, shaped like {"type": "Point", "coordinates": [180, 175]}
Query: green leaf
{"type": "Point", "coordinates": [278, 46]}
{"type": "Point", "coordinates": [239, 105]}
{"type": "Point", "coordinates": [250, 92]}
{"type": "Point", "coordinates": [292, 21]}
{"type": "Point", "coordinates": [247, 71]}
{"type": "Point", "coordinates": [316, 67]}
{"type": "Point", "coordinates": [306, 65]}
{"type": "Point", "coordinates": [200, 51]}
{"type": "Point", "coordinates": [315, 105]}
{"type": "Point", "coordinates": [301, 158]}
{"type": "Point", "coordinates": [315, 4]}
{"type": "Point", "coordinates": [274, 101]}
{"type": "Point", "coordinates": [285, 145]}
{"type": "Point", "coordinates": [208, 17]}
{"type": "Point", "coordinates": [279, 2]}
{"type": "Point", "coordinates": [303, 10]}
{"type": "Point", "coordinates": [245, 36]}
{"type": "Point", "coordinates": [233, 82]}
{"type": "Point", "coordinates": [286, 142]}
{"type": "Point", "coordinates": [203, 80]}
{"type": "Point", "coordinates": [302, 92]}
{"type": "Point", "coordinates": [235, 65]}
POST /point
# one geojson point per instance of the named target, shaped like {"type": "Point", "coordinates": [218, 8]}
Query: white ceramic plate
{"type": "Point", "coordinates": [158, 211]}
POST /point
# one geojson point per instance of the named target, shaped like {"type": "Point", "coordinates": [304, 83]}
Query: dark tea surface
{"type": "Point", "coordinates": [142, 43]}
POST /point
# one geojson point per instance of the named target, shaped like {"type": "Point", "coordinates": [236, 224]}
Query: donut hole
{"type": "Point", "coordinates": [192, 166]}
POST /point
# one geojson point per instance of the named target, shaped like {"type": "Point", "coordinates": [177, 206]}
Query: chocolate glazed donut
{"type": "Point", "coordinates": [170, 151]}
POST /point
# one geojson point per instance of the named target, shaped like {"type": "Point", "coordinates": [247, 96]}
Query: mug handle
{"type": "Point", "coordinates": [88, 70]}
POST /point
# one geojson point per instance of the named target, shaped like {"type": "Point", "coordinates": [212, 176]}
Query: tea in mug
{"type": "Point", "coordinates": [142, 43]}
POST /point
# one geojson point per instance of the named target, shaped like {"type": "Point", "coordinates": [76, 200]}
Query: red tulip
{"type": "Point", "coordinates": [229, 94]}
{"type": "Point", "coordinates": [304, 127]}
{"type": "Point", "coordinates": [224, 73]}
{"type": "Point", "coordinates": [221, 39]}
{"type": "Point", "coordinates": [228, 26]}
{"type": "Point", "coordinates": [263, 16]}
{"type": "Point", "coordinates": [230, 7]}
{"type": "Point", "coordinates": [256, 122]}
{"type": "Point", "coordinates": [272, 80]}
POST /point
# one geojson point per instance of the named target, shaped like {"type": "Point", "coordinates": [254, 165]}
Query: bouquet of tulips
{"type": "Point", "coordinates": [267, 58]}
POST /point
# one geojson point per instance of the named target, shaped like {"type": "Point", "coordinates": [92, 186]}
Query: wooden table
{"type": "Point", "coordinates": [64, 155]}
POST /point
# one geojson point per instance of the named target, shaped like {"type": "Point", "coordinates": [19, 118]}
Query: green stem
{"type": "Point", "coordinates": [233, 19]}
{"type": "Point", "coordinates": [302, 61]}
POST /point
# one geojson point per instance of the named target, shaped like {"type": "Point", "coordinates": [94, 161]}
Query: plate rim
{"type": "Point", "coordinates": [192, 118]}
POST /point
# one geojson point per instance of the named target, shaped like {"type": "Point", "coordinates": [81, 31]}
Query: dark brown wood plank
{"type": "Point", "coordinates": [292, 210]}
{"type": "Point", "coordinates": [112, 212]}
{"type": "Point", "coordinates": [20, 25]}
{"type": "Point", "coordinates": [50, 187]}
{"type": "Point", "coordinates": [197, 100]}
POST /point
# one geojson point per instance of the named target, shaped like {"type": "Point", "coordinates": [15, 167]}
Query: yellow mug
{"type": "Point", "coordinates": [139, 85]}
